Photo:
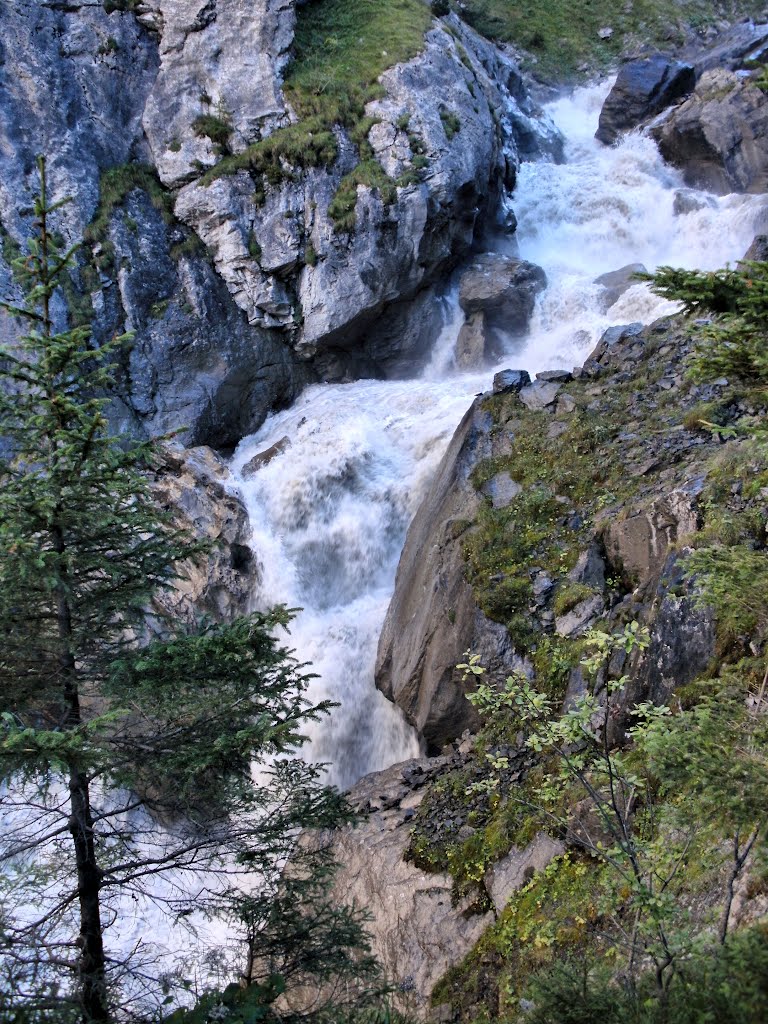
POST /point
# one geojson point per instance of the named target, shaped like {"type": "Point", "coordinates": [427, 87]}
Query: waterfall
{"type": "Point", "coordinates": [330, 511]}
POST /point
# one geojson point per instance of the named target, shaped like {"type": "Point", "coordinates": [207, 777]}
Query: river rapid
{"type": "Point", "coordinates": [330, 513]}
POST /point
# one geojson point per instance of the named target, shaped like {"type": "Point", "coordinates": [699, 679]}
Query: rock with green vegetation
{"type": "Point", "coordinates": [719, 137]}
{"type": "Point", "coordinates": [417, 930]}
{"type": "Point", "coordinates": [201, 96]}
{"type": "Point", "coordinates": [598, 508]}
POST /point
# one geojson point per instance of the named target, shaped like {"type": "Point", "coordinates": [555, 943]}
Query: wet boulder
{"type": "Point", "coordinates": [719, 136]}
{"type": "Point", "coordinates": [616, 282]}
{"type": "Point", "coordinates": [643, 89]}
{"type": "Point", "coordinates": [502, 287]}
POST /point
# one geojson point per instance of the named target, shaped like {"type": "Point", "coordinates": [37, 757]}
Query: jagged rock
{"type": "Point", "coordinates": [639, 545]}
{"type": "Point", "coordinates": [578, 619]}
{"type": "Point", "coordinates": [739, 46]}
{"type": "Point", "coordinates": [758, 250]}
{"type": "Point", "coordinates": [470, 344]}
{"type": "Point", "coordinates": [518, 867]}
{"type": "Point", "coordinates": [220, 582]}
{"type": "Point", "coordinates": [540, 395]}
{"type": "Point", "coordinates": [253, 465]}
{"type": "Point", "coordinates": [503, 288]}
{"type": "Point", "coordinates": [719, 137]}
{"type": "Point", "coordinates": [256, 299]}
{"type": "Point", "coordinates": [432, 618]}
{"type": "Point", "coordinates": [613, 337]}
{"type": "Point", "coordinates": [510, 381]}
{"type": "Point", "coordinates": [194, 80]}
{"type": "Point", "coordinates": [416, 932]}
{"type": "Point", "coordinates": [643, 89]}
{"type": "Point", "coordinates": [589, 568]}
{"type": "Point", "coordinates": [616, 282]}
{"type": "Point", "coordinates": [558, 376]}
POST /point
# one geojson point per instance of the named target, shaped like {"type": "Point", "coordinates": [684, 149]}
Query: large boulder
{"type": "Point", "coordinates": [643, 88]}
{"type": "Point", "coordinates": [433, 619]}
{"type": "Point", "coordinates": [503, 291]}
{"type": "Point", "coordinates": [719, 136]}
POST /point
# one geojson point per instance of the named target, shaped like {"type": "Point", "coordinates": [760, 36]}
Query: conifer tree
{"type": "Point", "coordinates": [123, 759]}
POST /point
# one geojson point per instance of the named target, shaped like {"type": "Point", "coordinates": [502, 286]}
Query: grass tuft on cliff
{"type": "Point", "coordinates": [564, 35]}
{"type": "Point", "coordinates": [340, 50]}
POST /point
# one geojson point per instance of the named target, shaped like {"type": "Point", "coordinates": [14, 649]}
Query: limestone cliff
{"type": "Point", "coordinates": [241, 288]}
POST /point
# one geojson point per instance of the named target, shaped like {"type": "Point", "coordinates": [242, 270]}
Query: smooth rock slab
{"type": "Point", "coordinates": [515, 870]}
{"type": "Point", "coordinates": [539, 395]}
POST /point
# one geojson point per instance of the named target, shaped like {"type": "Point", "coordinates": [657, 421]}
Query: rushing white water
{"type": "Point", "coordinates": [330, 512]}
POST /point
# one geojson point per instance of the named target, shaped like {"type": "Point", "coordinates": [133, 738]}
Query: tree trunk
{"type": "Point", "coordinates": [91, 967]}
{"type": "Point", "coordinates": [91, 964]}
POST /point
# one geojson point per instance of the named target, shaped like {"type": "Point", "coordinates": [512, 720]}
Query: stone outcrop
{"type": "Point", "coordinates": [416, 931]}
{"type": "Point", "coordinates": [219, 583]}
{"type": "Point", "coordinates": [643, 88]}
{"type": "Point", "coordinates": [237, 302]}
{"type": "Point", "coordinates": [433, 619]}
{"type": "Point", "coordinates": [616, 282]}
{"type": "Point", "coordinates": [719, 137]}
{"type": "Point", "coordinates": [497, 294]}
{"type": "Point", "coordinates": [627, 559]}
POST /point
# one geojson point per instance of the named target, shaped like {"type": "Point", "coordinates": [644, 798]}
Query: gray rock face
{"type": "Point", "coordinates": [195, 362]}
{"type": "Point", "coordinates": [719, 137]}
{"type": "Point", "coordinates": [432, 619]}
{"type": "Point", "coordinates": [416, 932]}
{"type": "Point", "coordinates": [222, 59]}
{"type": "Point", "coordinates": [230, 312]}
{"type": "Point", "coordinates": [220, 583]}
{"type": "Point", "coordinates": [74, 82]}
{"type": "Point", "coordinates": [643, 89]}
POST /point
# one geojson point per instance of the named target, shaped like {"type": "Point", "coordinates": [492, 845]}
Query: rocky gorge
{"type": "Point", "coordinates": [265, 260]}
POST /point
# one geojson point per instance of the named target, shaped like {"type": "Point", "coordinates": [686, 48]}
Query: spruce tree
{"type": "Point", "coordinates": [99, 724]}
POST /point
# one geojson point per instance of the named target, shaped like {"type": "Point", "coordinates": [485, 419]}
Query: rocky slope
{"type": "Point", "coordinates": [241, 288]}
{"type": "Point", "coordinates": [562, 504]}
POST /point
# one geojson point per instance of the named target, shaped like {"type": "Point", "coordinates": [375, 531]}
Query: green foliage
{"type": "Point", "coordinates": [369, 173]}
{"type": "Point", "coordinates": [216, 128]}
{"type": "Point", "coordinates": [97, 722]}
{"type": "Point", "coordinates": [722, 985]}
{"type": "Point", "coordinates": [340, 50]}
{"type": "Point", "coordinates": [254, 247]}
{"type": "Point", "coordinates": [563, 35]}
{"type": "Point", "coordinates": [310, 255]}
{"type": "Point", "coordinates": [451, 123]}
{"type": "Point", "coordinates": [732, 345]}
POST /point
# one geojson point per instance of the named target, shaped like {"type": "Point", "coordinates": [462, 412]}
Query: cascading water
{"type": "Point", "coordinates": [329, 513]}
